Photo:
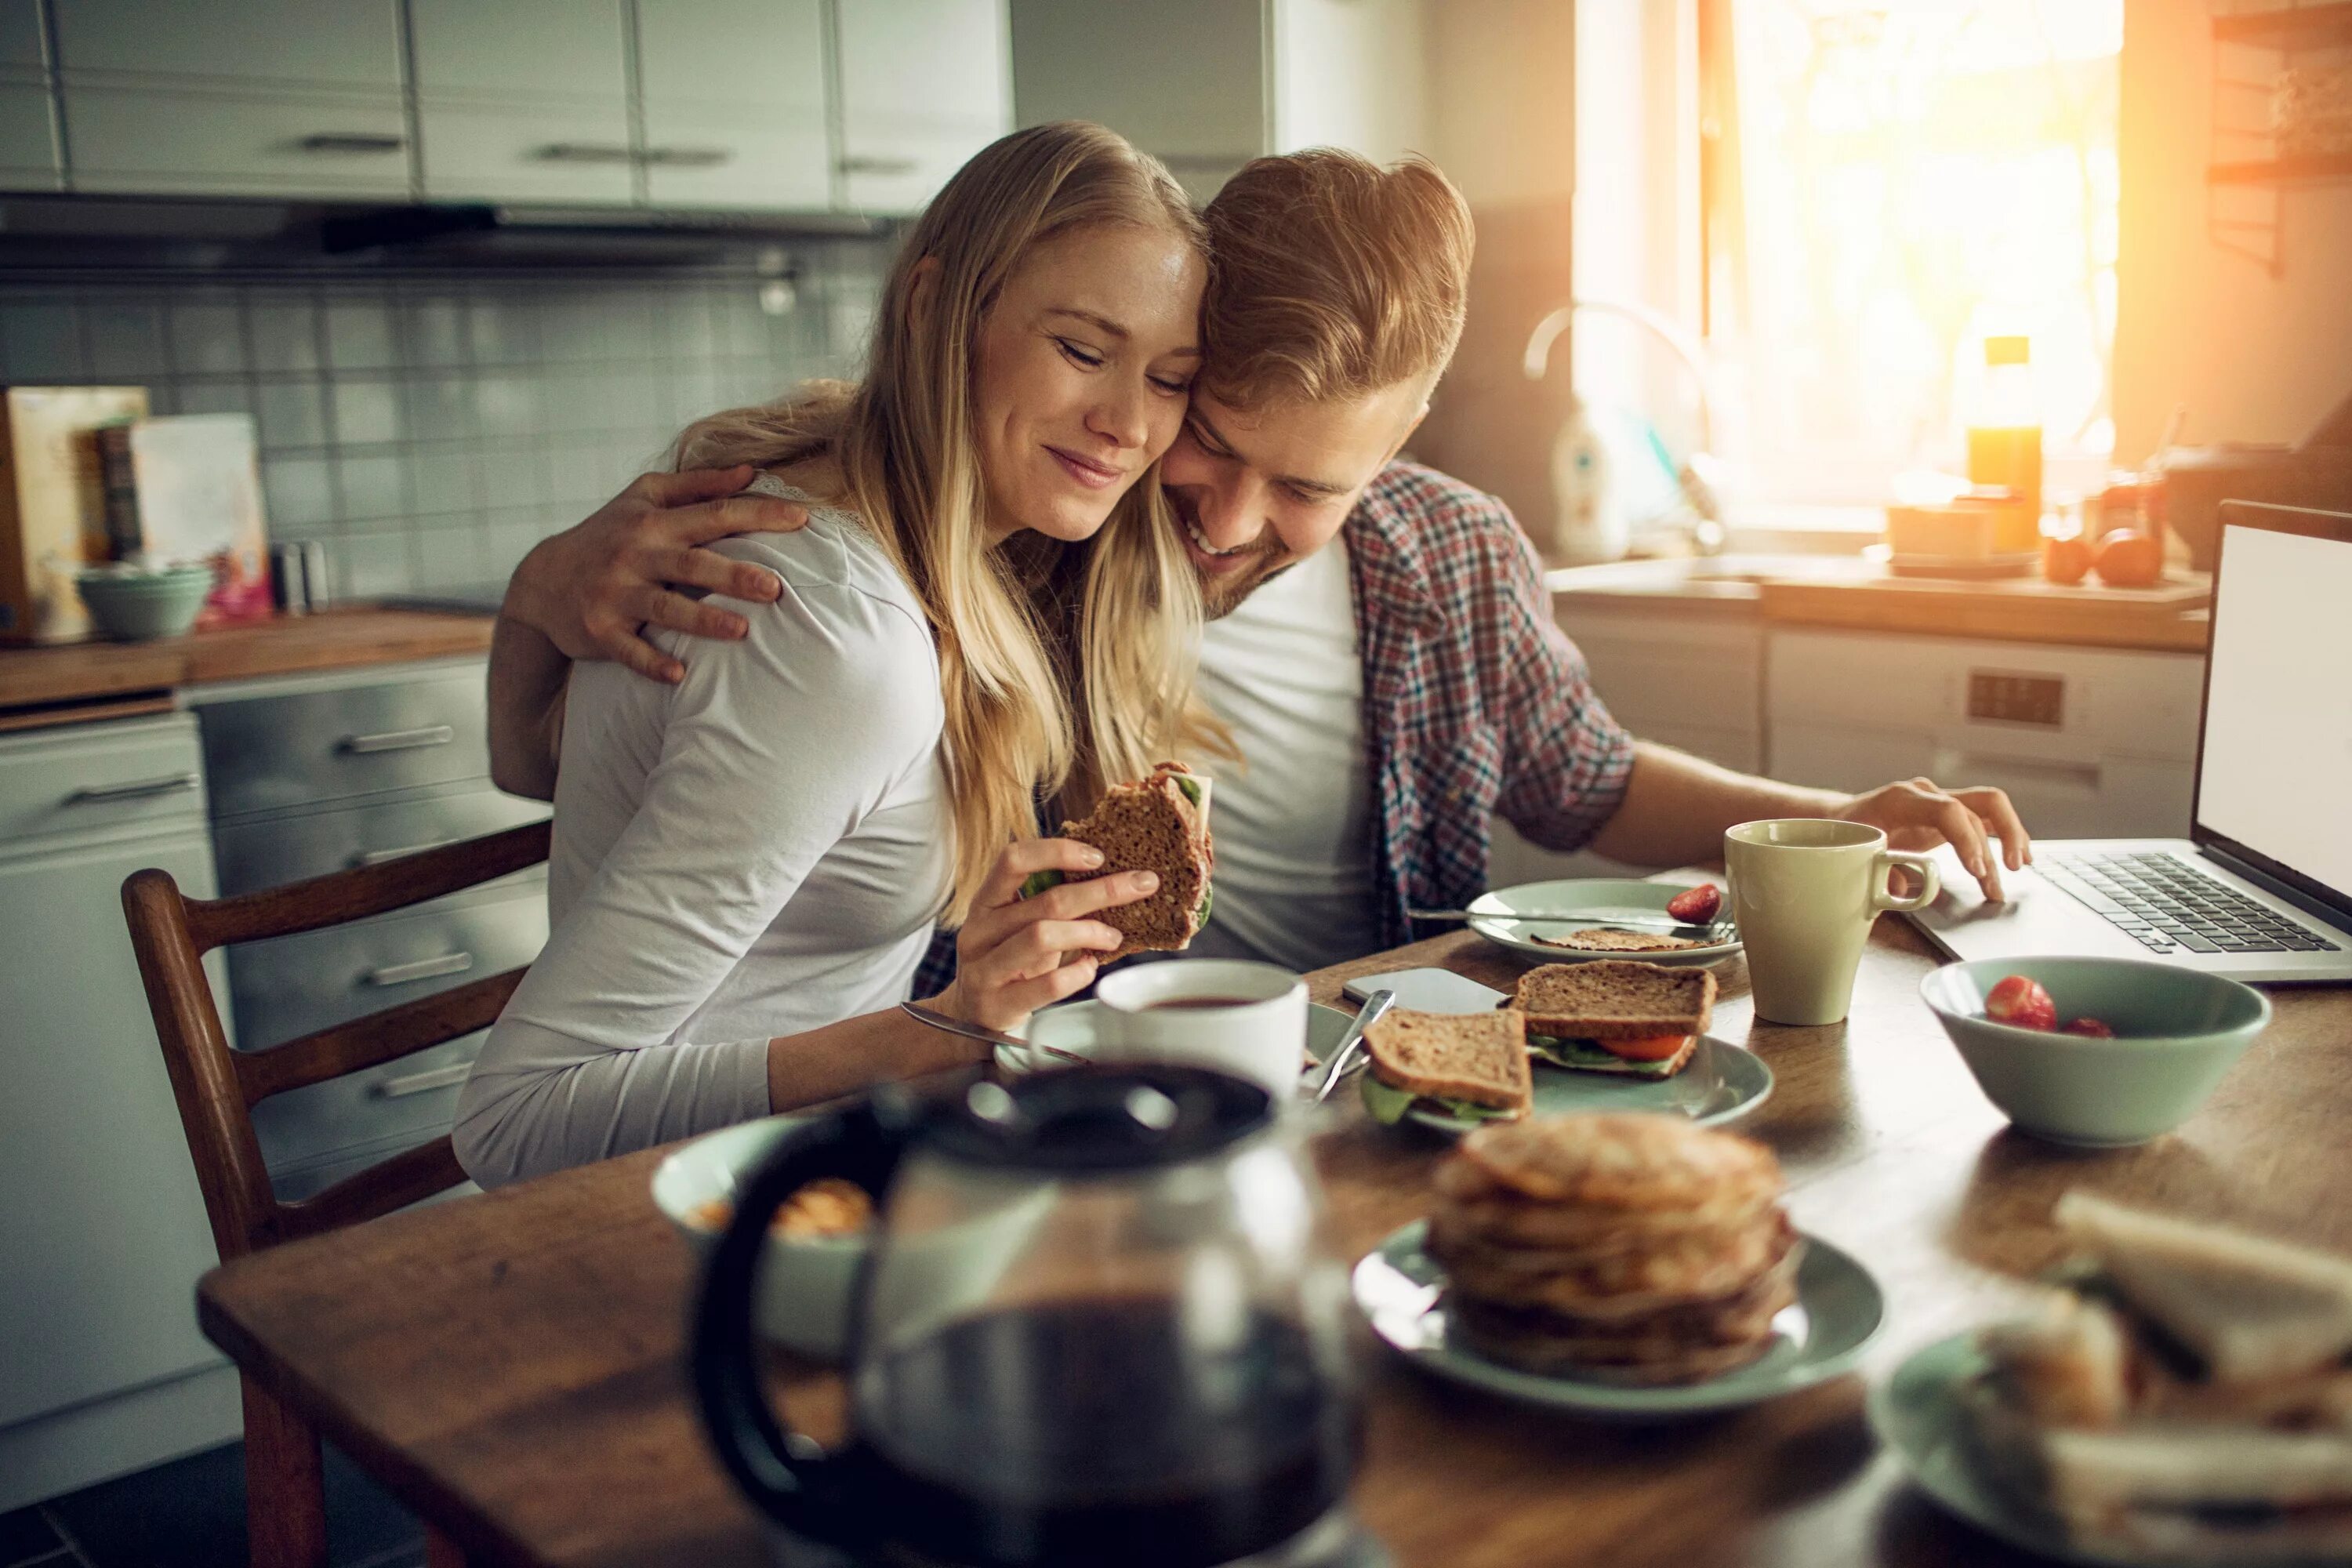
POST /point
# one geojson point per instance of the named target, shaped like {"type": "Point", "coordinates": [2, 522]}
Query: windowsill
{"type": "Point", "coordinates": [1789, 529]}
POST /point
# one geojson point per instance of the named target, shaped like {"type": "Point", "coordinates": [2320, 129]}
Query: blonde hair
{"type": "Point", "coordinates": [1116, 617]}
{"type": "Point", "coordinates": [1330, 276]}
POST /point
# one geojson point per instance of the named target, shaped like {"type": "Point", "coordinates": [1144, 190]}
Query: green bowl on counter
{"type": "Point", "coordinates": [132, 606]}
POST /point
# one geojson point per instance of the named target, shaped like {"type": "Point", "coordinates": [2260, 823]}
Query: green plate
{"type": "Point", "coordinates": [1839, 1308]}
{"type": "Point", "coordinates": [1917, 1413]}
{"type": "Point", "coordinates": [1602, 897]}
{"type": "Point", "coordinates": [1070, 1027]}
{"type": "Point", "coordinates": [1722, 1083]}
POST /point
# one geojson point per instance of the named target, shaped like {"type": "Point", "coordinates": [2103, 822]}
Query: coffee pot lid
{"type": "Point", "coordinates": [1100, 1118]}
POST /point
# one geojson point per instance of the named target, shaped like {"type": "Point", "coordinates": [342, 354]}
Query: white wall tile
{"type": "Point", "coordinates": [367, 412]}
{"type": "Point", "coordinates": [126, 337]}
{"type": "Point", "coordinates": [359, 334]}
{"type": "Point", "coordinates": [444, 480]}
{"type": "Point", "coordinates": [208, 339]}
{"type": "Point", "coordinates": [373, 487]}
{"type": "Point", "coordinates": [292, 413]}
{"type": "Point", "coordinates": [300, 493]}
{"type": "Point", "coordinates": [282, 326]}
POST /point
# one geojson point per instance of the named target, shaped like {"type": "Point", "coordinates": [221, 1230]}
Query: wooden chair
{"type": "Point", "coordinates": [286, 1510]}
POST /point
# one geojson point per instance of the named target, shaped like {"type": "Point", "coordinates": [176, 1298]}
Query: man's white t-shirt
{"type": "Point", "coordinates": [1293, 827]}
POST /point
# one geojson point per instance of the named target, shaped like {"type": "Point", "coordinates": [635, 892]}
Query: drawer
{"type": "Point", "coordinates": [136, 773]}
{"type": "Point", "coordinates": [291, 985]}
{"type": "Point", "coordinates": [382, 1110]}
{"type": "Point", "coordinates": [300, 749]}
{"type": "Point", "coordinates": [272, 852]}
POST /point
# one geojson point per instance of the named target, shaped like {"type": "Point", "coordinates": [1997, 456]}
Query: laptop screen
{"type": "Point", "coordinates": [2274, 765]}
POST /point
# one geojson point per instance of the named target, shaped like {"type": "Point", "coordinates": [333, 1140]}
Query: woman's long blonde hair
{"type": "Point", "coordinates": [1116, 617]}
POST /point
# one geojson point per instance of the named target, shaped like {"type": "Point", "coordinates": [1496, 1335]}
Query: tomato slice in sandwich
{"type": "Point", "coordinates": [1648, 1048]}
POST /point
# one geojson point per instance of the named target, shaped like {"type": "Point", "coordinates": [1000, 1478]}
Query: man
{"type": "Point", "coordinates": [1381, 644]}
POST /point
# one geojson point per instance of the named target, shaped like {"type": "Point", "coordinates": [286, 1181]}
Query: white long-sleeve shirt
{"type": "Point", "coordinates": [758, 850]}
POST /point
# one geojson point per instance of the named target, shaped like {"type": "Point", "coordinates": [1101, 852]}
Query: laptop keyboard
{"type": "Point", "coordinates": [2166, 905]}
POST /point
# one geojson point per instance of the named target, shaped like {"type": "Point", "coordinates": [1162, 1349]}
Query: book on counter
{"type": "Point", "coordinates": [53, 503]}
{"type": "Point", "coordinates": [188, 488]}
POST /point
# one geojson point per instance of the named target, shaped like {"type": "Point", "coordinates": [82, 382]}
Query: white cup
{"type": "Point", "coordinates": [1244, 1018]}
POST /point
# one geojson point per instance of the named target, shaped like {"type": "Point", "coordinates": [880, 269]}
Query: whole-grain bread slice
{"type": "Point", "coordinates": [1481, 1058]}
{"type": "Point", "coordinates": [1158, 824]}
{"type": "Point", "coordinates": [1616, 999]}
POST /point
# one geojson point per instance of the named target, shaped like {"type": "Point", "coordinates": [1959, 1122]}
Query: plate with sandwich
{"type": "Point", "coordinates": [1613, 1035]}
{"type": "Point", "coordinates": [2186, 1398]}
{"type": "Point", "coordinates": [1632, 1267]}
{"type": "Point", "coordinates": [1655, 921]}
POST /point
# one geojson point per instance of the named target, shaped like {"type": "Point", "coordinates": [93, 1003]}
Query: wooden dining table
{"type": "Point", "coordinates": [510, 1364]}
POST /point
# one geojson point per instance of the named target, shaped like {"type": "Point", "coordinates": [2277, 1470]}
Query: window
{"type": "Point", "coordinates": [1882, 187]}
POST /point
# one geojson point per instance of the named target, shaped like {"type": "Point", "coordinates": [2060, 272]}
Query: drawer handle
{"type": "Point", "coordinates": [583, 153]}
{"type": "Point", "coordinates": [145, 789]}
{"type": "Point", "coordinates": [422, 1082]}
{"type": "Point", "coordinates": [868, 164]}
{"type": "Point", "coordinates": [399, 740]}
{"type": "Point", "coordinates": [688, 157]}
{"type": "Point", "coordinates": [422, 969]}
{"type": "Point", "coordinates": [378, 856]}
{"type": "Point", "coordinates": [337, 141]}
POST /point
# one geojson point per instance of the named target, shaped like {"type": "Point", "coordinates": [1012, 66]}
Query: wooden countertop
{"type": "Point", "coordinates": [1853, 594]}
{"type": "Point", "coordinates": [91, 672]}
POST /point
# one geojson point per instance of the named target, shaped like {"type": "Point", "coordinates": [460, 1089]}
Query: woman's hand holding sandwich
{"type": "Point", "coordinates": [1015, 955]}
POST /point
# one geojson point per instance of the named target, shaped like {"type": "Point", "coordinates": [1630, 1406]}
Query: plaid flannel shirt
{"type": "Point", "coordinates": [1475, 701]}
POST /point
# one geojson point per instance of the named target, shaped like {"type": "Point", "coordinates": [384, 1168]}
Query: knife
{"type": "Point", "coordinates": [1720, 931]}
{"type": "Point", "coordinates": [937, 1020]}
{"type": "Point", "coordinates": [1378, 1002]}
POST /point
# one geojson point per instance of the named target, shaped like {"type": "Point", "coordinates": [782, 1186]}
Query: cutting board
{"type": "Point", "coordinates": [2170, 615]}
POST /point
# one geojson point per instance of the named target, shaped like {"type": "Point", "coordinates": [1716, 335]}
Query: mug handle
{"type": "Point", "coordinates": [787, 1475]}
{"type": "Point", "coordinates": [1882, 898]}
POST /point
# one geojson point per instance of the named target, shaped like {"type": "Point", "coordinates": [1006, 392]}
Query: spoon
{"type": "Point", "coordinates": [938, 1020]}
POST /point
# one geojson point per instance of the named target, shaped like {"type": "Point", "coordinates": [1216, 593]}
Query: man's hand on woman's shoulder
{"type": "Point", "coordinates": [593, 589]}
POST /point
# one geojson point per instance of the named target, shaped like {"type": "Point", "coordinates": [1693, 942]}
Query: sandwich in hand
{"type": "Point", "coordinates": [2191, 1400]}
{"type": "Point", "coordinates": [1616, 1015]}
{"type": "Point", "coordinates": [1158, 824]}
{"type": "Point", "coordinates": [1466, 1066]}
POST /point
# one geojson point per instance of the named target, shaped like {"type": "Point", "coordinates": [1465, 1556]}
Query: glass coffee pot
{"type": "Point", "coordinates": [1100, 1322]}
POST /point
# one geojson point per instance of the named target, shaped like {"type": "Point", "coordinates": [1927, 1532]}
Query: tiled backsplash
{"type": "Point", "coordinates": [430, 430]}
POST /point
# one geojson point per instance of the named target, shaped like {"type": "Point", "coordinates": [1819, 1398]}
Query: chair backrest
{"type": "Point", "coordinates": [218, 1087]}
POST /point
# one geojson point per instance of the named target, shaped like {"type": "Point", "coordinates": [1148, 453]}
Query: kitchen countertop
{"type": "Point", "coordinates": [70, 681]}
{"type": "Point", "coordinates": [1851, 593]}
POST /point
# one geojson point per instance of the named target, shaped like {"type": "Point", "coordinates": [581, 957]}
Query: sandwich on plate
{"type": "Point", "coordinates": [1158, 824]}
{"type": "Point", "coordinates": [1465, 1065]}
{"type": "Point", "coordinates": [1616, 1015]}
{"type": "Point", "coordinates": [2190, 1399]}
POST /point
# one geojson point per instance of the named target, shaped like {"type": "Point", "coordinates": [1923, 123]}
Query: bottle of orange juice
{"type": "Point", "coordinates": [2005, 440]}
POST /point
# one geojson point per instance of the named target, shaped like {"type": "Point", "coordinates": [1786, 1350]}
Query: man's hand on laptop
{"type": "Point", "coordinates": [593, 589]}
{"type": "Point", "coordinates": [1918, 814]}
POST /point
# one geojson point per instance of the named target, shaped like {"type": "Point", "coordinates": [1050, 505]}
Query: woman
{"type": "Point", "coordinates": [985, 605]}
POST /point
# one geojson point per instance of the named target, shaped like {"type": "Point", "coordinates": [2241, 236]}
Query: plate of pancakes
{"type": "Point", "coordinates": [1624, 1265]}
{"type": "Point", "coordinates": [1637, 909]}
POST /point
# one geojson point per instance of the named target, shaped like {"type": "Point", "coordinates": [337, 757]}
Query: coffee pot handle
{"type": "Point", "coordinates": [786, 1474]}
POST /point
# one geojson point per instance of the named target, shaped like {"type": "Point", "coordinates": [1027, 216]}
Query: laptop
{"type": "Point", "coordinates": [2261, 888]}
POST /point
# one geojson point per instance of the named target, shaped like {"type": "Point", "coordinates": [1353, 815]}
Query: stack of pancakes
{"type": "Point", "coordinates": [1632, 1248]}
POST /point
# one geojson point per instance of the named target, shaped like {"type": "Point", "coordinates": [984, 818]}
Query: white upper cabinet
{"type": "Point", "coordinates": [924, 85]}
{"type": "Point", "coordinates": [28, 136]}
{"type": "Point", "coordinates": [260, 98]}
{"type": "Point", "coordinates": [524, 100]}
{"type": "Point", "coordinates": [734, 104]}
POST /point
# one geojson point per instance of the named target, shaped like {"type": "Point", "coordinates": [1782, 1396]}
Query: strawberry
{"type": "Point", "coordinates": [2090, 1028]}
{"type": "Point", "coordinates": [1697, 906]}
{"type": "Point", "coordinates": [2023, 1004]}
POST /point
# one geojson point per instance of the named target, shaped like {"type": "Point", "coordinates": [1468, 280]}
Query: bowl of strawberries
{"type": "Point", "coordinates": [2097, 1052]}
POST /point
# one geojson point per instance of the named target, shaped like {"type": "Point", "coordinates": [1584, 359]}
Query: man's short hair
{"type": "Point", "coordinates": [1330, 276]}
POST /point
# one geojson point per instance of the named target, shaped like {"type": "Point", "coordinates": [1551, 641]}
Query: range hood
{"type": "Point", "coordinates": [54, 233]}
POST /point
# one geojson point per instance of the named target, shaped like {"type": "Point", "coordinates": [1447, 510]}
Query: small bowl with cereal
{"type": "Point", "coordinates": [820, 1238]}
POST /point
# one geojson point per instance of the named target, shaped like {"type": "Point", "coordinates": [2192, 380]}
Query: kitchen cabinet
{"type": "Point", "coordinates": [1208, 86]}
{"type": "Point", "coordinates": [527, 101]}
{"type": "Point", "coordinates": [101, 1222]}
{"type": "Point", "coordinates": [924, 85]}
{"type": "Point", "coordinates": [263, 98]}
{"type": "Point", "coordinates": [762, 142]}
{"type": "Point", "coordinates": [28, 131]}
{"type": "Point", "coordinates": [2089, 743]}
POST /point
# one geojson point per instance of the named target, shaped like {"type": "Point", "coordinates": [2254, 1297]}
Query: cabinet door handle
{"type": "Point", "coordinates": [422, 969]}
{"type": "Point", "coordinates": [868, 164]}
{"type": "Point", "coordinates": [399, 739]}
{"type": "Point", "coordinates": [177, 783]}
{"type": "Point", "coordinates": [378, 856]}
{"type": "Point", "coordinates": [688, 157]}
{"type": "Point", "coordinates": [584, 152]}
{"type": "Point", "coordinates": [422, 1082]}
{"type": "Point", "coordinates": [340, 141]}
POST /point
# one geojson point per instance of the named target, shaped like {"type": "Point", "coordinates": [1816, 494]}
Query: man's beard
{"type": "Point", "coordinates": [1220, 596]}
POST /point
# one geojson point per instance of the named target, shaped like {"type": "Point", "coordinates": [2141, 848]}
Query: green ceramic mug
{"type": "Point", "coordinates": [1805, 892]}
